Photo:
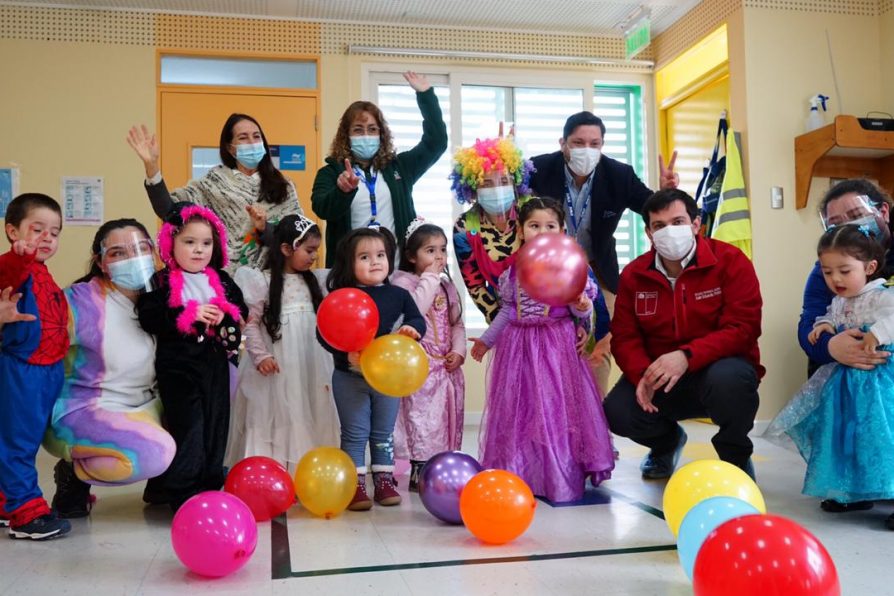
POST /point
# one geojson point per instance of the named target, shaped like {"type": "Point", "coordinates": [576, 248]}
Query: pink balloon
{"type": "Point", "coordinates": [552, 269]}
{"type": "Point", "coordinates": [214, 534]}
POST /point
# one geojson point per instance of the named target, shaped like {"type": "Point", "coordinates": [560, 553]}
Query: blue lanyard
{"type": "Point", "coordinates": [371, 187]}
{"type": "Point", "coordinates": [569, 202]}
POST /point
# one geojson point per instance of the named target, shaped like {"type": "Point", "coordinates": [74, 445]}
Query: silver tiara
{"type": "Point", "coordinates": [303, 226]}
{"type": "Point", "coordinates": [414, 225]}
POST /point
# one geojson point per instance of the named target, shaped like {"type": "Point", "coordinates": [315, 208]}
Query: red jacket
{"type": "Point", "coordinates": [714, 311]}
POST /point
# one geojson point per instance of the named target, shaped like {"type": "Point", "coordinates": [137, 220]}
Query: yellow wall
{"type": "Point", "coordinates": [778, 63]}
{"type": "Point", "coordinates": [886, 35]}
{"type": "Point", "coordinates": [64, 111]}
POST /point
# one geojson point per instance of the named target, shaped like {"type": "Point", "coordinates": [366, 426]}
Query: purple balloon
{"type": "Point", "coordinates": [441, 482]}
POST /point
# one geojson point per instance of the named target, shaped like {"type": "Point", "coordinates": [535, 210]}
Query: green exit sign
{"type": "Point", "coordinates": [637, 38]}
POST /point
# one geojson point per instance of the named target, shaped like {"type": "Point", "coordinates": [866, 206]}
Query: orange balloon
{"type": "Point", "coordinates": [394, 365]}
{"type": "Point", "coordinates": [497, 506]}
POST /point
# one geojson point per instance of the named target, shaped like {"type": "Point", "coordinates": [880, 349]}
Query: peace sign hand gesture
{"type": "Point", "coordinates": [668, 178]}
{"type": "Point", "coordinates": [29, 247]}
{"type": "Point", "coordinates": [145, 145]}
{"type": "Point", "coordinates": [347, 181]}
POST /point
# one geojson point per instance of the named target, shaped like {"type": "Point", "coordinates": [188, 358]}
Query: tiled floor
{"type": "Point", "coordinates": [616, 546]}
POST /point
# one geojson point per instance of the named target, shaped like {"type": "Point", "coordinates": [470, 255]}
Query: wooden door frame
{"type": "Point", "coordinates": [230, 89]}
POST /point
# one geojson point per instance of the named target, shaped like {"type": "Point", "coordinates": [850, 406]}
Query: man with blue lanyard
{"type": "Point", "coordinates": [595, 190]}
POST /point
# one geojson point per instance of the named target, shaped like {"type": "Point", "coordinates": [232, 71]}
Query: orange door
{"type": "Point", "coordinates": [191, 120]}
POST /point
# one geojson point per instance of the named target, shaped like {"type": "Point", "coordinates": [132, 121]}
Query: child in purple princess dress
{"type": "Point", "coordinates": [431, 420]}
{"type": "Point", "coordinates": [543, 418]}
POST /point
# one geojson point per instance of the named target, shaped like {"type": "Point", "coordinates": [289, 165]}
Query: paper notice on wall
{"type": "Point", "coordinates": [9, 187]}
{"type": "Point", "coordinates": [82, 200]}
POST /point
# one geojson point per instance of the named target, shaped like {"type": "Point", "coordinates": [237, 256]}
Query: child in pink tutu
{"type": "Point", "coordinates": [543, 418]}
{"type": "Point", "coordinates": [431, 420]}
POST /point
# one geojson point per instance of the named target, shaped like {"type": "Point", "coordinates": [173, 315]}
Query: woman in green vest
{"type": "Point", "coordinates": [365, 182]}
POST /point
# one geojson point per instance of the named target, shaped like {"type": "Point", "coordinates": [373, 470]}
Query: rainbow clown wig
{"type": "Point", "coordinates": [472, 164]}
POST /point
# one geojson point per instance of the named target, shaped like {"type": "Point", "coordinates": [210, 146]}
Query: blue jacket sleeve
{"type": "Point", "coordinates": [602, 317]}
{"type": "Point", "coordinates": [817, 298]}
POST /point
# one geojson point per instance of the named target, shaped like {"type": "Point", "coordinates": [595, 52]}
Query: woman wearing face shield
{"type": "Point", "coordinates": [247, 192]}
{"type": "Point", "coordinates": [365, 182]}
{"type": "Point", "coordinates": [856, 201]}
{"type": "Point", "coordinates": [493, 176]}
{"type": "Point", "coordinates": [106, 424]}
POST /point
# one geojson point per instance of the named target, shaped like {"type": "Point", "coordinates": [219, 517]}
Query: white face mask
{"type": "Point", "coordinates": [583, 160]}
{"type": "Point", "coordinates": [673, 242]}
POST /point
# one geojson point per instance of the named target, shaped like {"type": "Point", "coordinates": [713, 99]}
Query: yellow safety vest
{"type": "Point", "coordinates": [732, 223]}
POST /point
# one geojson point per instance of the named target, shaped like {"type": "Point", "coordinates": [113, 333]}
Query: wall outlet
{"type": "Point", "coordinates": [776, 198]}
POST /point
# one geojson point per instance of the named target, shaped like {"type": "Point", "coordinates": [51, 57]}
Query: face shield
{"type": "Point", "coordinates": [857, 210]}
{"type": "Point", "coordinates": [130, 264]}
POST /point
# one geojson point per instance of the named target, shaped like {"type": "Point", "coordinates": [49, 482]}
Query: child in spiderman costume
{"type": "Point", "coordinates": [31, 369]}
{"type": "Point", "coordinates": [195, 312]}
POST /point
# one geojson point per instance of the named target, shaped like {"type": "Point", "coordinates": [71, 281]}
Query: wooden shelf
{"type": "Point", "coordinates": [843, 149]}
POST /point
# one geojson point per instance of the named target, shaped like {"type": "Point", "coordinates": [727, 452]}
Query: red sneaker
{"type": "Point", "coordinates": [361, 500]}
{"type": "Point", "coordinates": [385, 493]}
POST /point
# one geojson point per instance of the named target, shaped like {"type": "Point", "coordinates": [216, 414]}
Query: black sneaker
{"type": "Point", "coordinates": [659, 467]}
{"type": "Point", "coordinates": [44, 527]}
{"type": "Point", "coordinates": [833, 506]}
{"type": "Point", "coordinates": [415, 472]}
{"type": "Point", "coordinates": [72, 498]}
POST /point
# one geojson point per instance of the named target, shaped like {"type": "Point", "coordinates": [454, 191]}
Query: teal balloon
{"type": "Point", "coordinates": [701, 521]}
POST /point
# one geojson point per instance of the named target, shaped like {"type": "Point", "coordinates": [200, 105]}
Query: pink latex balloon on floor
{"type": "Point", "coordinates": [214, 534]}
{"type": "Point", "coordinates": [552, 269]}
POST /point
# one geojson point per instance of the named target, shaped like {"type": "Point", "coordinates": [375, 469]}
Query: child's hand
{"type": "Point", "coordinates": [258, 216]}
{"type": "Point", "coordinates": [582, 340]}
{"type": "Point", "coordinates": [870, 342]}
{"type": "Point", "coordinates": [436, 267]}
{"type": "Point", "coordinates": [815, 333]}
{"type": "Point", "coordinates": [354, 359]}
{"type": "Point", "coordinates": [24, 247]}
{"type": "Point", "coordinates": [210, 314]}
{"type": "Point", "coordinates": [583, 303]}
{"type": "Point", "coordinates": [603, 349]}
{"type": "Point", "coordinates": [8, 311]}
{"type": "Point", "coordinates": [479, 349]}
{"type": "Point", "coordinates": [452, 361]}
{"type": "Point", "coordinates": [409, 332]}
{"type": "Point", "coordinates": [268, 366]}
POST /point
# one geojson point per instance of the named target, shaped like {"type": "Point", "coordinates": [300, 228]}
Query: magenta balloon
{"type": "Point", "coordinates": [552, 269]}
{"type": "Point", "coordinates": [214, 534]}
{"type": "Point", "coordinates": [442, 481]}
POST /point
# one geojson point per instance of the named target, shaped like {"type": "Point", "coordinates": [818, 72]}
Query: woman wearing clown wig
{"type": "Point", "coordinates": [195, 314]}
{"type": "Point", "coordinates": [493, 176]}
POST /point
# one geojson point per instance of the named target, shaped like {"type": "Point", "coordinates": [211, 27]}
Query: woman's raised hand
{"type": "Point", "coordinates": [418, 82]}
{"type": "Point", "coordinates": [145, 145]}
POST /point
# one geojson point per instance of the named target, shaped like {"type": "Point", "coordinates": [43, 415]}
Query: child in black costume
{"type": "Point", "coordinates": [195, 313]}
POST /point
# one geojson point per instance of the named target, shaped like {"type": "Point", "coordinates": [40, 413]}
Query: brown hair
{"type": "Point", "coordinates": [341, 144]}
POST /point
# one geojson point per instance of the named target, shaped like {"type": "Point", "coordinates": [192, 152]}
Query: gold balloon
{"type": "Point", "coordinates": [325, 480]}
{"type": "Point", "coordinates": [394, 365]}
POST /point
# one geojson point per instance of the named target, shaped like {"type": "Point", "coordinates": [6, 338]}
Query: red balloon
{"type": "Point", "coordinates": [263, 484]}
{"type": "Point", "coordinates": [348, 319]}
{"type": "Point", "coordinates": [766, 555]}
{"type": "Point", "coordinates": [552, 269]}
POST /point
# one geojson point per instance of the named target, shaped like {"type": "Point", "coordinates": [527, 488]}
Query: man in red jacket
{"type": "Point", "coordinates": [684, 333]}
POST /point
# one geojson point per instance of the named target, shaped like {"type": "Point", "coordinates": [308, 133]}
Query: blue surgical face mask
{"type": "Point", "coordinates": [364, 148]}
{"type": "Point", "coordinates": [496, 200]}
{"type": "Point", "coordinates": [250, 154]}
{"type": "Point", "coordinates": [132, 274]}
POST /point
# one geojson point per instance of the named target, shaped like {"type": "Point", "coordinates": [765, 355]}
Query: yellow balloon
{"type": "Point", "coordinates": [325, 480]}
{"type": "Point", "coordinates": [702, 479]}
{"type": "Point", "coordinates": [394, 365]}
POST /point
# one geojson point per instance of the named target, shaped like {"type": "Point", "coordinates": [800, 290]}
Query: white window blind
{"type": "Point", "coordinates": [620, 109]}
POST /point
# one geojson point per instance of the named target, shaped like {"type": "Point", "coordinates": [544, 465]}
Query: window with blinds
{"type": "Point", "coordinates": [538, 115]}
{"type": "Point", "coordinates": [620, 108]}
